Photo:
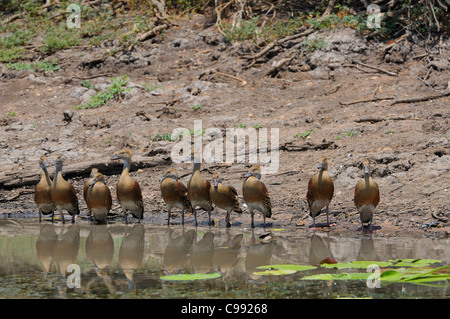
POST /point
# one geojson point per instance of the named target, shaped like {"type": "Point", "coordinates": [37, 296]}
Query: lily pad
{"type": "Point", "coordinates": [414, 262]}
{"type": "Point", "coordinates": [288, 267]}
{"type": "Point", "coordinates": [358, 264]}
{"type": "Point", "coordinates": [342, 276]}
{"type": "Point", "coordinates": [190, 277]}
{"type": "Point", "coordinates": [275, 272]}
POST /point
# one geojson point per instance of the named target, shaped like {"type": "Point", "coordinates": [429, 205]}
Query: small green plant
{"type": "Point", "coordinates": [12, 113]}
{"type": "Point", "coordinates": [240, 125]}
{"type": "Point", "coordinates": [163, 137]}
{"type": "Point", "coordinates": [315, 44]}
{"type": "Point", "coordinates": [346, 133]}
{"type": "Point", "coordinates": [42, 65]}
{"type": "Point", "coordinates": [151, 87]}
{"type": "Point", "coordinates": [115, 91]}
{"type": "Point", "coordinates": [257, 126]}
{"type": "Point", "coordinates": [196, 107]}
{"type": "Point", "coordinates": [303, 135]}
{"type": "Point", "coordinates": [447, 136]}
{"type": "Point", "coordinates": [87, 84]}
{"type": "Point", "coordinates": [390, 132]}
{"type": "Point", "coordinates": [59, 38]}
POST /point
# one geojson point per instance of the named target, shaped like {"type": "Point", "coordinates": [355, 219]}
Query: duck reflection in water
{"type": "Point", "coordinates": [178, 249]}
{"type": "Point", "coordinates": [367, 249]}
{"type": "Point", "coordinates": [99, 251]}
{"type": "Point", "coordinates": [45, 245]}
{"type": "Point", "coordinates": [258, 254]}
{"type": "Point", "coordinates": [66, 248]}
{"type": "Point", "coordinates": [226, 256]}
{"type": "Point", "coordinates": [201, 260]}
{"type": "Point", "coordinates": [319, 252]}
{"type": "Point", "coordinates": [131, 252]}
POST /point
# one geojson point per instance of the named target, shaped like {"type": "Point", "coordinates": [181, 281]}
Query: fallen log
{"type": "Point", "coordinates": [293, 147]}
{"type": "Point", "coordinates": [31, 175]}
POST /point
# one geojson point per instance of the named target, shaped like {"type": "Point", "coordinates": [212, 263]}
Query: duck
{"type": "Point", "coordinates": [367, 196]}
{"type": "Point", "coordinates": [63, 194]}
{"type": "Point", "coordinates": [224, 197]}
{"type": "Point", "coordinates": [128, 191]}
{"type": "Point", "coordinates": [198, 189]}
{"type": "Point", "coordinates": [88, 181]}
{"type": "Point", "coordinates": [320, 191]}
{"type": "Point", "coordinates": [175, 194]}
{"type": "Point", "coordinates": [255, 194]}
{"type": "Point", "coordinates": [42, 196]}
{"type": "Point", "coordinates": [98, 198]}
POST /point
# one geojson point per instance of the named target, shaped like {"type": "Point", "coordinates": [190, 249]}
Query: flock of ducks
{"type": "Point", "coordinates": [60, 195]}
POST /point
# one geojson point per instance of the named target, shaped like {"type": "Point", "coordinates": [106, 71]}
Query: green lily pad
{"type": "Point", "coordinates": [358, 264]}
{"type": "Point", "coordinates": [275, 272]}
{"type": "Point", "coordinates": [288, 267]}
{"type": "Point", "coordinates": [190, 277]}
{"type": "Point", "coordinates": [342, 276]}
{"type": "Point", "coordinates": [414, 262]}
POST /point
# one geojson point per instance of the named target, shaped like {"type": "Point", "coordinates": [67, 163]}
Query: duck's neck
{"type": "Point", "coordinates": [196, 166]}
{"type": "Point", "coordinates": [45, 175]}
{"type": "Point", "coordinates": [367, 178]}
{"type": "Point", "coordinates": [126, 166]}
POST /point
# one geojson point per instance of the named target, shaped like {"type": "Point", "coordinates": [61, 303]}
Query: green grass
{"type": "Point", "coordinates": [347, 133]}
{"type": "Point", "coordinates": [41, 65]}
{"type": "Point", "coordinates": [87, 84]}
{"type": "Point", "coordinates": [196, 107]}
{"type": "Point", "coordinates": [303, 135]}
{"type": "Point", "coordinates": [114, 91]}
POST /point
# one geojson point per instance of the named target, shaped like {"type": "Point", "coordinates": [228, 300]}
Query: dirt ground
{"type": "Point", "coordinates": [408, 144]}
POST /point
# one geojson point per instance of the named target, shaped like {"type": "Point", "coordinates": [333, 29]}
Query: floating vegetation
{"type": "Point", "coordinates": [190, 277]}
{"type": "Point", "coordinates": [279, 270]}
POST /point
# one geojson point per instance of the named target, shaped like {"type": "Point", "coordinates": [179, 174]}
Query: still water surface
{"type": "Point", "coordinates": [128, 261]}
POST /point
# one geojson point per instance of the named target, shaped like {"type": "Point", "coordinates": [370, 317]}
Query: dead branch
{"type": "Point", "coordinates": [376, 119]}
{"type": "Point", "coordinates": [375, 68]}
{"type": "Point", "coordinates": [243, 82]}
{"type": "Point", "coordinates": [153, 32]}
{"type": "Point", "coordinates": [422, 98]}
{"type": "Point", "coordinates": [279, 42]}
{"type": "Point", "coordinates": [373, 99]}
{"type": "Point", "coordinates": [290, 146]}
{"type": "Point", "coordinates": [31, 175]}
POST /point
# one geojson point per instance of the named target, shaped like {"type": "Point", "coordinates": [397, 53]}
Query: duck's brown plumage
{"type": "Point", "coordinates": [63, 193]}
{"type": "Point", "coordinates": [98, 198]}
{"type": "Point", "coordinates": [367, 196]}
{"type": "Point", "coordinates": [198, 190]}
{"type": "Point", "coordinates": [320, 191]}
{"type": "Point", "coordinates": [128, 191]}
{"type": "Point", "coordinates": [42, 196]}
{"type": "Point", "coordinates": [88, 181]}
{"type": "Point", "coordinates": [255, 194]}
{"type": "Point", "coordinates": [225, 197]}
{"type": "Point", "coordinates": [174, 193]}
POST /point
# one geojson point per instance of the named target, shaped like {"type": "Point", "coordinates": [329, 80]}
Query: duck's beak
{"type": "Point", "coordinates": [162, 178]}
{"type": "Point", "coordinates": [216, 183]}
{"type": "Point", "coordinates": [248, 174]}
{"type": "Point", "coordinates": [366, 170]}
{"type": "Point", "coordinates": [93, 182]}
{"type": "Point", "coordinates": [115, 157]}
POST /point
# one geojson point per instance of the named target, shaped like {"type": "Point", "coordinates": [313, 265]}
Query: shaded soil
{"type": "Point", "coordinates": [407, 143]}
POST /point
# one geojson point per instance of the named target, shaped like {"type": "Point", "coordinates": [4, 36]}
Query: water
{"type": "Point", "coordinates": [127, 261]}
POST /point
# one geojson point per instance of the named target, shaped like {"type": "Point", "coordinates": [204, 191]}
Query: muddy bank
{"type": "Point", "coordinates": [351, 111]}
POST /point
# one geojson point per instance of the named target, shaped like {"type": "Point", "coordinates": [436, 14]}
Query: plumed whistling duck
{"type": "Point", "coordinates": [174, 193]}
{"type": "Point", "coordinates": [129, 193]}
{"type": "Point", "coordinates": [367, 196]}
{"type": "Point", "coordinates": [88, 181]}
{"type": "Point", "coordinates": [224, 197]}
{"type": "Point", "coordinates": [320, 191]}
{"type": "Point", "coordinates": [198, 189]}
{"type": "Point", "coordinates": [98, 198]}
{"type": "Point", "coordinates": [255, 194]}
{"type": "Point", "coordinates": [42, 196]}
{"type": "Point", "coordinates": [62, 192]}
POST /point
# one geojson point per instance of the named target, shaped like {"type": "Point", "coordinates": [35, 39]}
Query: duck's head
{"type": "Point", "coordinates": [255, 171]}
